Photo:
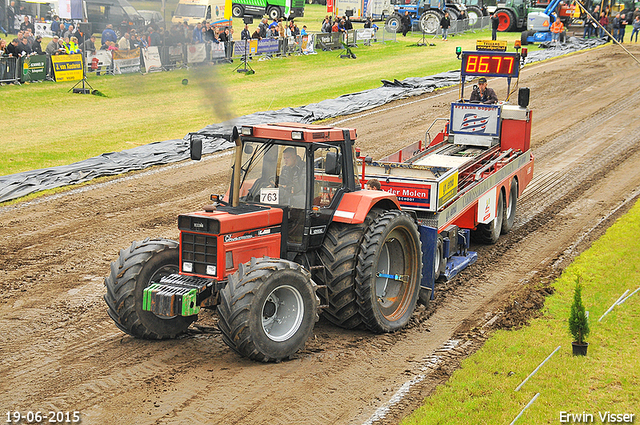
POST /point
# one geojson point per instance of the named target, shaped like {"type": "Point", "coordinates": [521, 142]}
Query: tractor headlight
{"type": "Point", "coordinates": [211, 270]}
{"type": "Point", "coordinates": [187, 267]}
{"type": "Point", "coordinates": [296, 135]}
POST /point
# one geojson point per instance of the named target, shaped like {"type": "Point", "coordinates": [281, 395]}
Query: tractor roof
{"type": "Point", "coordinates": [298, 132]}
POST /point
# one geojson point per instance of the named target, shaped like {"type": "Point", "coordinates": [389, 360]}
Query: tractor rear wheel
{"type": "Point", "coordinates": [268, 309]}
{"type": "Point", "coordinates": [143, 264]}
{"type": "Point", "coordinates": [394, 23]}
{"type": "Point", "coordinates": [388, 272]}
{"type": "Point", "coordinates": [506, 20]}
{"type": "Point", "coordinates": [474, 13]}
{"type": "Point", "coordinates": [430, 21]}
{"type": "Point", "coordinates": [510, 208]}
{"type": "Point", "coordinates": [490, 232]}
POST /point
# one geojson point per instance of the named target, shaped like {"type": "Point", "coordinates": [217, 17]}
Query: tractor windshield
{"type": "Point", "coordinates": [273, 174]}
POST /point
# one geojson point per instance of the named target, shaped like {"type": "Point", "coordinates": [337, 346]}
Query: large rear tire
{"type": "Point", "coordinates": [510, 208]}
{"type": "Point", "coordinates": [393, 23]}
{"type": "Point", "coordinates": [524, 38]}
{"type": "Point", "coordinates": [391, 247]}
{"type": "Point", "coordinates": [475, 14]}
{"type": "Point", "coordinates": [506, 20]}
{"type": "Point", "coordinates": [430, 21]}
{"type": "Point", "coordinates": [143, 264]}
{"type": "Point", "coordinates": [268, 309]}
{"type": "Point", "coordinates": [490, 233]}
{"type": "Point", "coordinates": [338, 254]}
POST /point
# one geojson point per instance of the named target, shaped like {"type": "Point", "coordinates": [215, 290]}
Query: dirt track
{"type": "Point", "coordinates": [60, 351]}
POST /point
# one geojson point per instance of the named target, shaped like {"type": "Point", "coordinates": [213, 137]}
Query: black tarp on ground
{"type": "Point", "coordinates": [217, 135]}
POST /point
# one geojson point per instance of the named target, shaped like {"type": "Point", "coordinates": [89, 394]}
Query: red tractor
{"type": "Point", "coordinates": [297, 234]}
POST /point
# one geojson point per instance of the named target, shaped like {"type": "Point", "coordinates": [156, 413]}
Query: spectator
{"type": "Point", "coordinates": [303, 32]}
{"type": "Point", "coordinates": [124, 42]}
{"type": "Point", "coordinates": [334, 27]}
{"type": "Point", "coordinates": [3, 49]}
{"type": "Point", "coordinates": [207, 32]}
{"type": "Point", "coordinates": [616, 26]}
{"type": "Point", "coordinates": [27, 24]}
{"type": "Point", "coordinates": [2, 28]}
{"type": "Point", "coordinates": [588, 26]}
{"type": "Point", "coordinates": [495, 22]}
{"type": "Point", "coordinates": [623, 25]}
{"type": "Point", "coordinates": [273, 32]}
{"type": "Point", "coordinates": [72, 46]}
{"type": "Point", "coordinates": [24, 48]}
{"type": "Point", "coordinates": [556, 29]}
{"type": "Point", "coordinates": [348, 26]}
{"type": "Point", "coordinates": [11, 18]}
{"type": "Point", "coordinates": [406, 23]}
{"type": "Point", "coordinates": [245, 34]}
{"type": "Point", "coordinates": [273, 24]}
{"type": "Point", "coordinates": [326, 25]}
{"type": "Point", "coordinates": [52, 47]}
{"type": "Point", "coordinates": [604, 22]}
{"type": "Point", "coordinates": [69, 32]}
{"type": "Point", "coordinates": [263, 28]}
{"type": "Point", "coordinates": [256, 34]}
{"type": "Point", "coordinates": [89, 46]}
{"type": "Point", "coordinates": [36, 47]}
{"type": "Point", "coordinates": [196, 35]}
{"type": "Point", "coordinates": [12, 48]}
{"type": "Point", "coordinates": [109, 35]}
{"type": "Point", "coordinates": [636, 28]}
{"type": "Point", "coordinates": [80, 36]}
{"type": "Point", "coordinates": [156, 40]}
{"type": "Point", "coordinates": [62, 46]}
{"type": "Point", "coordinates": [55, 24]}
{"type": "Point", "coordinates": [29, 36]}
{"type": "Point", "coordinates": [223, 36]}
{"type": "Point", "coordinates": [445, 23]}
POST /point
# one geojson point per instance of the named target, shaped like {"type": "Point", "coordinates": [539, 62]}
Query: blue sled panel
{"type": "Point", "coordinates": [429, 239]}
{"type": "Point", "coordinates": [457, 263]}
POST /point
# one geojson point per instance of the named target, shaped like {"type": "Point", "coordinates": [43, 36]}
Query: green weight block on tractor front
{"type": "Point", "coordinates": [190, 306]}
{"type": "Point", "coordinates": [146, 296]}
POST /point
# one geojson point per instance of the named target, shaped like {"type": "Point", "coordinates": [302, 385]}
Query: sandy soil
{"type": "Point", "coordinates": [61, 352]}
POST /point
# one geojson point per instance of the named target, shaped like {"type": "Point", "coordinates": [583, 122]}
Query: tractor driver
{"type": "Point", "coordinates": [292, 175]}
{"type": "Point", "coordinates": [483, 94]}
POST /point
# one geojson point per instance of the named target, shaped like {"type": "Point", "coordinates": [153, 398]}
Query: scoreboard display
{"type": "Point", "coordinates": [490, 64]}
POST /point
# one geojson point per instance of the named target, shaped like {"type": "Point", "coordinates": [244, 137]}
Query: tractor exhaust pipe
{"type": "Point", "coordinates": [237, 164]}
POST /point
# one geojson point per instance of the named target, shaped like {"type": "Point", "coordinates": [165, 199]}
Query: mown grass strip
{"type": "Point", "coordinates": [606, 380]}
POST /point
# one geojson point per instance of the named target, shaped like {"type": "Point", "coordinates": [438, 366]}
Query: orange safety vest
{"type": "Point", "coordinates": [557, 26]}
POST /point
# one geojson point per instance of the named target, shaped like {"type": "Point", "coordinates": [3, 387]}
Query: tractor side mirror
{"type": "Point", "coordinates": [332, 163]}
{"type": "Point", "coordinates": [195, 147]}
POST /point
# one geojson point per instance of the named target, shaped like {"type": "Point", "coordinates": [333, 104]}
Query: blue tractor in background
{"type": "Point", "coordinates": [424, 13]}
{"type": "Point", "coordinates": [539, 25]}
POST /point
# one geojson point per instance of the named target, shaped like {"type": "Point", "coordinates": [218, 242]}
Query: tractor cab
{"type": "Point", "coordinates": [303, 169]}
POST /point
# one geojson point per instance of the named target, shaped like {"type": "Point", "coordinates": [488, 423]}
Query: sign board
{"type": "Point", "coordinates": [217, 51]}
{"type": "Point", "coordinates": [493, 45]}
{"type": "Point", "coordinates": [151, 57]}
{"type": "Point", "coordinates": [126, 61]}
{"type": "Point", "coordinates": [103, 57]}
{"type": "Point", "coordinates": [475, 119]}
{"type": "Point", "coordinates": [196, 53]}
{"type": "Point", "coordinates": [488, 64]}
{"type": "Point", "coordinates": [412, 195]}
{"type": "Point", "coordinates": [447, 189]}
{"type": "Point", "coordinates": [67, 67]}
{"type": "Point", "coordinates": [34, 68]}
{"type": "Point", "coordinates": [487, 206]}
{"type": "Point", "coordinates": [268, 45]}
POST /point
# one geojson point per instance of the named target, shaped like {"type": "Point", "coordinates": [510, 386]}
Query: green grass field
{"type": "Point", "coordinates": [607, 379]}
{"type": "Point", "coordinates": [140, 109]}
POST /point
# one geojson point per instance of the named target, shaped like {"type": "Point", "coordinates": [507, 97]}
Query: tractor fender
{"type": "Point", "coordinates": [354, 206]}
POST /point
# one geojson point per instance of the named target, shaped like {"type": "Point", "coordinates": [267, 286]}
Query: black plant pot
{"type": "Point", "coordinates": [580, 349]}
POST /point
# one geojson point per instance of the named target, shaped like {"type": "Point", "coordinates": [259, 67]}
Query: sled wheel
{"type": "Point", "coordinates": [490, 232]}
{"type": "Point", "coordinates": [510, 208]}
{"type": "Point", "coordinates": [388, 272]}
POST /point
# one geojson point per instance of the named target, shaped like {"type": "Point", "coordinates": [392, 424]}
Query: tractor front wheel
{"type": "Point", "coordinates": [394, 23]}
{"type": "Point", "coordinates": [143, 264]}
{"type": "Point", "coordinates": [268, 309]}
{"type": "Point", "coordinates": [388, 272]}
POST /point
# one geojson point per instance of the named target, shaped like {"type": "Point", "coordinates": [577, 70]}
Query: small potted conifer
{"type": "Point", "coordinates": [578, 323]}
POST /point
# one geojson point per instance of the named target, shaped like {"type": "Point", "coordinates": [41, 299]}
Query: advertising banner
{"type": "Point", "coordinates": [151, 56]}
{"type": "Point", "coordinates": [308, 42]}
{"type": "Point", "coordinates": [196, 53]}
{"type": "Point", "coordinates": [217, 51]}
{"type": "Point", "coordinates": [126, 61]}
{"type": "Point", "coordinates": [43, 29]}
{"type": "Point", "coordinates": [469, 118]}
{"type": "Point", "coordinates": [365, 33]}
{"type": "Point", "coordinates": [99, 60]}
{"type": "Point", "coordinates": [239, 47]}
{"type": "Point", "coordinates": [67, 67]}
{"type": "Point", "coordinates": [329, 41]}
{"type": "Point", "coordinates": [268, 45]}
{"type": "Point", "coordinates": [34, 68]}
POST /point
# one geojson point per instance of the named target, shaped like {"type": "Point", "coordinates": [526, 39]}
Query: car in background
{"type": "Point", "coordinates": [152, 17]}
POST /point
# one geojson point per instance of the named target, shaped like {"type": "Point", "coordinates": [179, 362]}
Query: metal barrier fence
{"type": "Point", "coordinates": [9, 70]}
{"type": "Point", "coordinates": [461, 25]}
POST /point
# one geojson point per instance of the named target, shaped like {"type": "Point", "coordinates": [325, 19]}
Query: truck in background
{"type": "Point", "coordinates": [360, 10]}
{"type": "Point", "coordinates": [216, 12]}
{"type": "Point", "coordinates": [275, 9]}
